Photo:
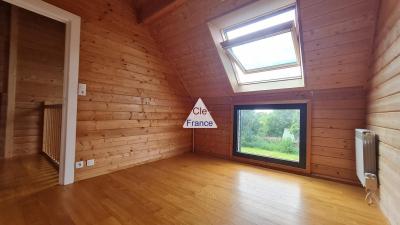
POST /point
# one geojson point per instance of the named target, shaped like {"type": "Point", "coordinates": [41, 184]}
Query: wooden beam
{"type": "Point", "coordinates": [12, 78]}
{"type": "Point", "coordinates": [167, 9]}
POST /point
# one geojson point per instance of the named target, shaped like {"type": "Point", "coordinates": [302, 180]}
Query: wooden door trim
{"type": "Point", "coordinates": [11, 84]}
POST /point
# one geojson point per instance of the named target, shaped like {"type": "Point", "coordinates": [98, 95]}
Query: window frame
{"type": "Point", "coordinates": [247, 13]}
{"type": "Point", "coordinates": [262, 34]}
{"type": "Point", "coordinates": [258, 18]}
{"type": "Point", "coordinates": [302, 163]}
{"type": "Point", "coordinates": [259, 35]}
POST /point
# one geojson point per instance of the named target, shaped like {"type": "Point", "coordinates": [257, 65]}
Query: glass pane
{"type": "Point", "coordinates": [272, 51]}
{"type": "Point", "coordinates": [261, 24]}
{"type": "Point", "coordinates": [272, 133]}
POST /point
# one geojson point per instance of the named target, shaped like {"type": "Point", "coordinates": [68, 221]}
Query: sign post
{"type": "Point", "coordinates": [199, 117]}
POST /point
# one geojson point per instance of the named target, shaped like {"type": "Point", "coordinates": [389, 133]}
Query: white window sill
{"type": "Point", "coordinates": [272, 85]}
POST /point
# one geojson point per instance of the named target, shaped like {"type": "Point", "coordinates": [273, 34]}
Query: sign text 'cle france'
{"type": "Point", "coordinates": [199, 117]}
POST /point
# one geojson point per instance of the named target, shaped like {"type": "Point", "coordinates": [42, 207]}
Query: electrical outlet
{"type": "Point", "coordinates": [90, 162]}
{"type": "Point", "coordinates": [82, 89]}
{"type": "Point", "coordinates": [79, 164]}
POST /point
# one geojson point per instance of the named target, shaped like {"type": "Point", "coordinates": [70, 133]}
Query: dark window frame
{"type": "Point", "coordinates": [303, 133]}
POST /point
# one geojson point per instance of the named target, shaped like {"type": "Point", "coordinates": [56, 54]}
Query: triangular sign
{"type": "Point", "coordinates": [199, 117]}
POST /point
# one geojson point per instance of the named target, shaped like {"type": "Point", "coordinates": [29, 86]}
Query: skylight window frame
{"type": "Point", "coordinates": [282, 28]}
{"type": "Point", "coordinates": [248, 14]}
{"type": "Point", "coordinates": [258, 18]}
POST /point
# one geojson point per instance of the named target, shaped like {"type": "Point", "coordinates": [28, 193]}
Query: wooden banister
{"type": "Point", "coordinates": [52, 119]}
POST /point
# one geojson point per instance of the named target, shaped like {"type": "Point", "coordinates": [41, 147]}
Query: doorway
{"type": "Point", "coordinates": [71, 24]}
{"type": "Point", "coordinates": [33, 86]}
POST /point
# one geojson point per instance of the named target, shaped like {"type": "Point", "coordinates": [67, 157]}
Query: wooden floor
{"type": "Point", "coordinates": [24, 176]}
{"type": "Point", "coordinates": [193, 189]}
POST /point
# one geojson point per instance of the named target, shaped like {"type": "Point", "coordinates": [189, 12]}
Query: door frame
{"type": "Point", "coordinates": [71, 72]}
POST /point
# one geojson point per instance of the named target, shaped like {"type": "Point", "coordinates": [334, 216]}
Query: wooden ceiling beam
{"type": "Point", "coordinates": [163, 11]}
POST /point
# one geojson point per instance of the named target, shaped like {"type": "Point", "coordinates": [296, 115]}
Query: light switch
{"type": "Point", "coordinates": [82, 89]}
{"type": "Point", "coordinates": [90, 162]}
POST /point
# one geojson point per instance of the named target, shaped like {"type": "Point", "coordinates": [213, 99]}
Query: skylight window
{"type": "Point", "coordinates": [259, 46]}
{"type": "Point", "coordinates": [267, 49]}
{"type": "Point", "coordinates": [253, 26]}
{"type": "Point", "coordinates": [252, 55]}
{"type": "Point", "coordinates": [265, 43]}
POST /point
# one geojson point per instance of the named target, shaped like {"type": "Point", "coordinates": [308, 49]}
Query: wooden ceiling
{"type": "Point", "coordinates": [150, 10]}
{"type": "Point", "coordinates": [337, 42]}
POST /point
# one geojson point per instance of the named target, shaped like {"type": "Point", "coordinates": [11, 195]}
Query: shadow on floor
{"type": "Point", "coordinates": [26, 175]}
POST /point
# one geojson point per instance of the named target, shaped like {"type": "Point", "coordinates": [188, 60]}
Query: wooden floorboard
{"type": "Point", "coordinates": [194, 189]}
{"type": "Point", "coordinates": [26, 175]}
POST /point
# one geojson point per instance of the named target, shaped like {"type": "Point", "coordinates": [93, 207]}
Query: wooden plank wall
{"type": "Point", "coordinates": [4, 45]}
{"type": "Point", "coordinates": [337, 38]}
{"type": "Point", "coordinates": [40, 63]}
{"type": "Point", "coordinates": [384, 106]}
{"type": "Point", "coordinates": [135, 105]}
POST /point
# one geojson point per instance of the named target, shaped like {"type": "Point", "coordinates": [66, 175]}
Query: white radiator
{"type": "Point", "coordinates": [365, 154]}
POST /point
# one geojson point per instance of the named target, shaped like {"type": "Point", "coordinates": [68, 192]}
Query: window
{"type": "Point", "coordinates": [259, 44]}
{"type": "Point", "coordinates": [273, 133]}
{"type": "Point", "coordinates": [266, 43]}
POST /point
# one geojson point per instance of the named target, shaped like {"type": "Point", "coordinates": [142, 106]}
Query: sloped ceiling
{"type": "Point", "coordinates": [337, 41]}
{"type": "Point", "coordinates": [146, 8]}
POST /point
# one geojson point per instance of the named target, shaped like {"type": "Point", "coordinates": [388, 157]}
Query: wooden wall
{"type": "Point", "coordinates": [337, 38]}
{"type": "Point", "coordinates": [135, 105]}
{"type": "Point", "coordinates": [39, 77]}
{"type": "Point", "coordinates": [4, 45]}
{"type": "Point", "coordinates": [384, 106]}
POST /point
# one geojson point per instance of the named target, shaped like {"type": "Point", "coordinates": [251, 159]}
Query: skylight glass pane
{"type": "Point", "coordinates": [268, 52]}
{"type": "Point", "coordinates": [262, 24]}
